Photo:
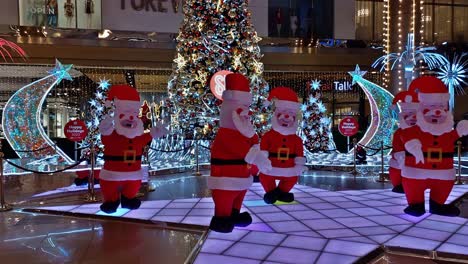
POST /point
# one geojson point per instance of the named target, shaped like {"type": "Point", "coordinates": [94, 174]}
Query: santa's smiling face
{"type": "Point", "coordinates": [434, 118]}
{"type": "Point", "coordinates": [126, 120]}
{"type": "Point", "coordinates": [284, 121]}
{"type": "Point", "coordinates": [408, 118]}
{"type": "Point", "coordinates": [435, 113]}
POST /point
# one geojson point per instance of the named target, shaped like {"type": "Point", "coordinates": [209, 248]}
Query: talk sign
{"type": "Point", "coordinates": [218, 83]}
{"type": "Point", "coordinates": [76, 130]}
{"type": "Point", "coordinates": [348, 127]}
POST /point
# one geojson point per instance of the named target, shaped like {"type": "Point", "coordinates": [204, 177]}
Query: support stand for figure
{"type": "Point", "coordinates": [459, 180]}
{"type": "Point", "coordinates": [383, 177]}
{"type": "Point", "coordinates": [3, 205]}
{"type": "Point", "coordinates": [91, 197]}
{"type": "Point", "coordinates": [149, 186]}
{"type": "Point", "coordinates": [354, 172]}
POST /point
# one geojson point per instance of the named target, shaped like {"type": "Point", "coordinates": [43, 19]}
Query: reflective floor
{"type": "Point", "coordinates": [37, 238]}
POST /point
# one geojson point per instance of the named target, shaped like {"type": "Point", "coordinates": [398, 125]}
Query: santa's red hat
{"type": "Point", "coordinates": [406, 100]}
{"type": "Point", "coordinates": [284, 97]}
{"type": "Point", "coordinates": [123, 94]}
{"type": "Point", "coordinates": [237, 88]}
{"type": "Point", "coordinates": [430, 89]}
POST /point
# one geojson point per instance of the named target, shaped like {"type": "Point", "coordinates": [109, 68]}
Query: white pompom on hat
{"type": "Point", "coordinates": [284, 97]}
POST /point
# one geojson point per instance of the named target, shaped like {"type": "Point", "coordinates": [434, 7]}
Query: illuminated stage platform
{"type": "Point", "coordinates": [319, 227]}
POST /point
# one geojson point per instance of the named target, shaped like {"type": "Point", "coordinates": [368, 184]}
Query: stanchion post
{"type": "Point", "coordinates": [150, 187]}
{"type": "Point", "coordinates": [459, 147]}
{"type": "Point", "coordinates": [354, 171]}
{"type": "Point", "coordinates": [3, 205]}
{"type": "Point", "coordinates": [91, 194]}
{"type": "Point", "coordinates": [197, 162]}
{"type": "Point", "coordinates": [382, 168]}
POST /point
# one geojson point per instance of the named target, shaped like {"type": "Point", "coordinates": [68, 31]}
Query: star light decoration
{"type": "Point", "coordinates": [61, 71]}
{"type": "Point", "coordinates": [5, 45]}
{"type": "Point", "coordinates": [454, 75]}
{"type": "Point", "coordinates": [384, 118]}
{"type": "Point", "coordinates": [410, 58]}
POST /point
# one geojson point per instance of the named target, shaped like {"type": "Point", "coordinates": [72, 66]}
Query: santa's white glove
{"type": "Point", "coordinates": [414, 147]}
{"type": "Point", "coordinates": [258, 157]}
{"type": "Point", "coordinates": [299, 166]}
{"type": "Point", "coordinates": [244, 125]}
{"type": "Point", "coordinates": [159, 130]}
{"type": "Point", "coordinates": [106, 126]}
{"type": "Point", "coordinates": [462, 128]}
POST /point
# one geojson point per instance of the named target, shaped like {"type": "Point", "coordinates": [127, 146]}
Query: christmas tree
{"type": "Point", "coordinates": [215, 35]}
{"type": "Point", "coordinates": [317, 134]}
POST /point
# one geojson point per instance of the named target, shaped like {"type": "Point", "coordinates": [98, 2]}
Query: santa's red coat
{"type": "Point", "coordinates": [122, 157]}
{"type": "Point", "coordinates": [229, 170]}
{"type": "Point", "coordinates": [438, 155]}
{"type": "Point", "coordinates": [282, 152]}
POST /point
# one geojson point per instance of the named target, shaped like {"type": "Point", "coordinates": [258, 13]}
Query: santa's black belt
{"type": "Point", "coordinates": [228, 162]}
{"type": "Point", "coordinates": [121, 158]}
{"type": "Point", "coordinates": [434, 154]}
{"type": "Point", "coordinates": [281, 155]}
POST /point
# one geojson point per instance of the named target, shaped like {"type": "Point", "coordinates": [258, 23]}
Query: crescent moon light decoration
{"type": "Point", "coordinates": [22, 115]}
{"type": "Point", "coordinates": [384, 117]}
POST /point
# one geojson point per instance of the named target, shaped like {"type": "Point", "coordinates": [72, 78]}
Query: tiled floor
{"type": "Point", "coordinates": [319, 227]}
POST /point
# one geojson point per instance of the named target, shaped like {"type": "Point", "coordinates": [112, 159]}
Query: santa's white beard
{"type": "Point", "coordinates": [283, 130]}
{"type": "Point", "coordinates": [435, 129]}
{"type": "Point", "coordinates": [129, 132]}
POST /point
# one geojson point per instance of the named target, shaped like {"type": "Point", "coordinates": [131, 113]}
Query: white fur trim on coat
{"type": "Point", "coordinates": [433, 97]}
{"type": "Point", "coordinates": [229, 183]}
{"type": "Point", "coordinates": [300, 160]}
{"type": "Point", "coordinates": [405, 106]}
{"type": "Point", "coordinates": [421, 174]}
{"type": "Point", "coordinates": [237, 95]}
{"type": "Point", "coordinates": [283, 172]}
{"type": "Point", "coordinates": [393, 163]}
{"type": "Point", "coordinates": [287, 104]}
{"type": "Point", "coordinates": [122, 175]}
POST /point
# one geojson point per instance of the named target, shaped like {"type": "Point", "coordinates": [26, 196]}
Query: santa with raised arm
{"type": "Point", "coordinates": [234, 148]}
{"type": "Point", "coordinates": [429, 150]}
{"type": "Point", "coordinates": [285, 148]}
{"type": "Point", "coordinates": [408, 103]}
{"type": "Point", "coordinates": [123, 138]}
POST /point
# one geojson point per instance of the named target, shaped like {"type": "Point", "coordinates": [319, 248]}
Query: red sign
{"type": "Point", "coordinates": [348, 127]}
{"type": "Point", "coordinates": [76, 130]}
{"type": "Point", "coordinates": [218, 83]}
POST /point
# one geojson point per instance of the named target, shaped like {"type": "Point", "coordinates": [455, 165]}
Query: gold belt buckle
{"type": "Point", "coordinates": [130, 156]}
{"type": "Point", "coordinates": [283, 154]}
{"type": "Point", "coordinates": [437, 153]}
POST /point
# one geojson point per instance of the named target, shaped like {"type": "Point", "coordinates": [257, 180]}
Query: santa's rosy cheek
{"type": "Point", "coordinates": [405, 117]}
{"type": "Point", "coordinates": [425, 111]}
{"type": "Point", "coordinates": [278, 115]}
{"type": "Point", "coordinates": [121, 116]}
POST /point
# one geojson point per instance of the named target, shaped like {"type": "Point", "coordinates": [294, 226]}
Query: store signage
{"type": "Point", "coordinates": [218, 83]}
{"type": "Point", "coordinates": [151, 5]}
{"type": "Point", "coordinates": [348, 127]}
{"type": "Point", "coordinates": [75, 130]}
{"type": "Point", "coordinates": [343, 86]}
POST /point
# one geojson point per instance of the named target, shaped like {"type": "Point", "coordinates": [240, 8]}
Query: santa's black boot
{"type": "Point", "coordinates": [443, 209]}
{"type": "Point", "coordinates": [415, 209]}
{"type": "Point", "coordinates": [398, 189]}
{"type": "Point", "coordinates": [81, 181]}
{"type": "Point", "coordinates": [131, 204]}
{"type": "Point", "coordinates": [285, 196]}
{"type": "Point", "coordinates": [271, 197]}
{"type": "Point", "coordinates": [110, 207]}
{"type": "Point", "coordinates": [222, 224]}
{"type": "Point", "coordinates": [240, 219]}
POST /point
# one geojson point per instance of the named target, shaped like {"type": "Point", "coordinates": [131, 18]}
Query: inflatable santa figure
{"type": "Point", "coordinates": [234, 148]}
{"type": "Point", "coordinates": [429, 150]}
{"type": "Point", "coordinates": [408, 103]}
{"type": "Point", "coordinates": [123, 138]}
{"type": "Point", "coordinates": [284, 147]}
